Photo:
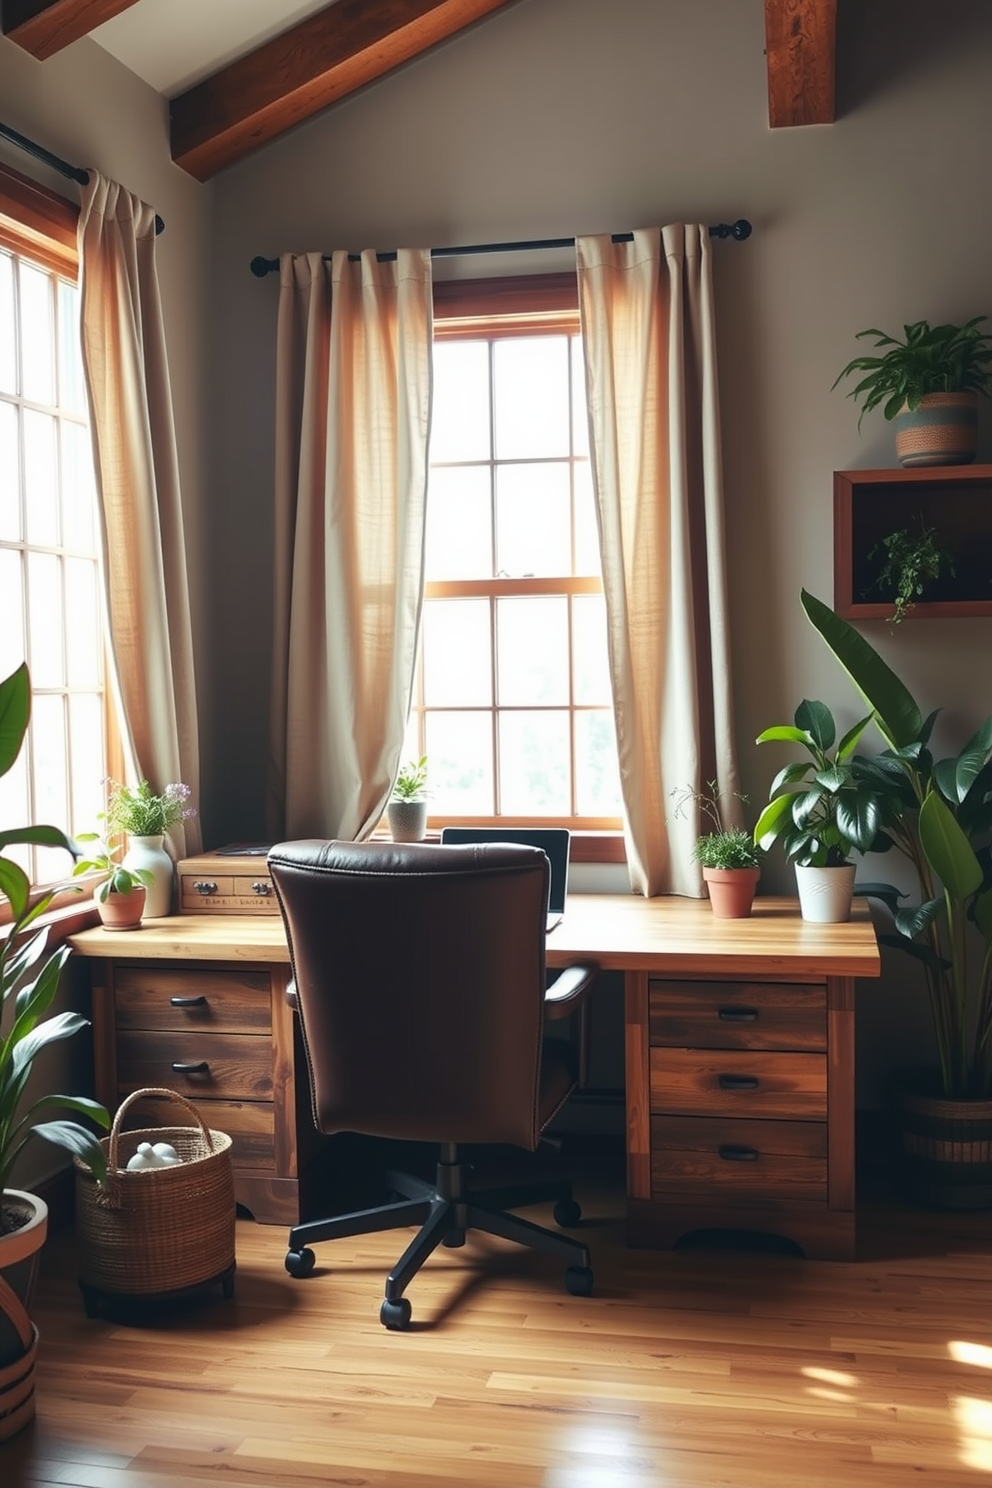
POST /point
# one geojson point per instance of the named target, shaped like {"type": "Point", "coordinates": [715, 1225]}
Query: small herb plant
{"type": "Point", "coordinates": [829, 810]}
{"type": "Point", "coordinates": [119, 880]}
{"type": "Point", "coordinates": [139, 812]}
{"type": "Point", "coordinates": [724, 847]}
{"type": "Point", "coordinates": [912, 558]}
{"type": "Point", "coordinates": [411, 782]}
{"type": "Point", "coordinates": [931, 359]}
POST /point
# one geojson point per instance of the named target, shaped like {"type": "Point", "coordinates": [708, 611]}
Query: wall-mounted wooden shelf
{"type": "Point", "coordinates": [955, 500]}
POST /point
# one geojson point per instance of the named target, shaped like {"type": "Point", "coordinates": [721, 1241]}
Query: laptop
{"type": "Point", "coordinates": [553, 841]}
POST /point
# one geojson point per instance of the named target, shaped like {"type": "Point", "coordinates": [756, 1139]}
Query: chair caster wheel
{"type": "Point", "coordinates": [395, 1315]}
{"type": "Point", "coordinates": [300, 1262]}
{"type": "Point", "coordinates": [578, 1281]}
{"type": "Point", "coordinates": [567, 1213]}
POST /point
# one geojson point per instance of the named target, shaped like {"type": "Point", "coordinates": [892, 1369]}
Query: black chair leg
{"type": "Point", "coordinates": [361, 1221]}
{"type": "Point", "coordinates": [424, 1243]}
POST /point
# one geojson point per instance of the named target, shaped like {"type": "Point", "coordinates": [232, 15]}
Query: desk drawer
{"type": "Point", "coordinates": [224, 1066]}
{"type": "Point", "coordinates": [718, 1082]}
{"type": "Point", "coordinates": [249, 1124]}
{"type": "Point", "coordinates": [762, 1159]}
{"type": "Point", "coordinates": [738, 1015]}
{"type": "Point", "coordinates": [227, 893]}
{"type": "Point", "coordinates": [167, 998]}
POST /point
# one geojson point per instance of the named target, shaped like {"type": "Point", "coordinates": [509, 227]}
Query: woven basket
{"type": "Point", "coordinates": [156, 1230]}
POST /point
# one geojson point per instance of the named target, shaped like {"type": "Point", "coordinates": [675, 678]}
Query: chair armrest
{"type": "Point", "coordinates": [291, 997]}
{"type": "Point", "coordinates": [569, 991]}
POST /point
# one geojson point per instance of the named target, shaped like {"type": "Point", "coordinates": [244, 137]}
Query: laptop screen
{"type": "Point", "coordinates": [553, 841]}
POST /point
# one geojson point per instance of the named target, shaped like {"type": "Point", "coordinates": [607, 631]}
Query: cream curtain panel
{"type": "Point", "coordinates": [647, 326]}
{"type": "Point", "coordinates": [137, 476]}
{"type": "Point", "coordinates": [353, 391]}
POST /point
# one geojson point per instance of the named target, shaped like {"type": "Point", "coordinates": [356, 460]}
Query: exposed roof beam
{"type": "Point", "coordinates": [316, 63]}
{"type": "Point", "coordinates": [44, 27]}
{"type": "Point", "coordinates": [801, 51]}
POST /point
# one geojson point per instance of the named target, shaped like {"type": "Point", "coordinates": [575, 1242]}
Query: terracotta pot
{"type": "Point", "coordinates": [825, 894]}
{"type": "Point", "coordinates": [20, 1251]}
{"type": "Point", "coordinates": [731, 891]}
{"type": "Point", "coordinates": [943, 430]}
{"type": "Point", "coordinates": [943, 1147]}
{"type": "Point", "coordinates": [122, 911]}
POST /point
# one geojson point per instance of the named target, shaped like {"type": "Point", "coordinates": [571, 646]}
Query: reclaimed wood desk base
{"type": "Point", "coordinates": [739, 1054]}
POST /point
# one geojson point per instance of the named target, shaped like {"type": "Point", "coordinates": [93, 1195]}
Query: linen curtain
{"type": "Point", "coordinates": [139, 499]}
{"type": "Point", "coordinates": [646, 309]}
{"type": "Point", "coordinates": [353, 392]}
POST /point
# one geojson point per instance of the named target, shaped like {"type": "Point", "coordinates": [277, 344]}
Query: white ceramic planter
{"type": "Point", "coordinates": [825, 894]}
{"type": "Point", "coordinates": [407, 820]}
{"type": "Point", "coordinates": [149, 853]}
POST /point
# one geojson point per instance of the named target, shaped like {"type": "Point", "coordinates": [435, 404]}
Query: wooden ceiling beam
{"type": "Point", "coordinates": [317, 62]}
{"type": "Point", "coordinates": [44, 27]}
{"type": "Point", "coordinates": [801, 55]}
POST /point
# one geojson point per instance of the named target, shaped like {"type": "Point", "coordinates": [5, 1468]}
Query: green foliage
{"type": "Point", "coordinates": [118, 880]}
{"type": "Point", "coordinates": [138, 811]}
{"type": "Point", "coordinates": [938, 815]}
{"type": "Point", "coordinates": [411, 782]}
{"type": "Point", "coordinates": [827, 810]}
{"type": "Point", "coordinates": [29, 979]}
{"type": "Point", "coordinates": [724, 847]}
{"type": "Point", "coordinates": [911, 559]}
{"type": "Point", "coordinates": [931, 359]}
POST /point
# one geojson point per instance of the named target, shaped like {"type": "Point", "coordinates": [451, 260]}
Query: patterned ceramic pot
{"type": "Point", "coordinates": [942, 431]}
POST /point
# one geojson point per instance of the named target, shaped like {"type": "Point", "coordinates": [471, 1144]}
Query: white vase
{"type": "Point", "coordinates": [148, 853]}
{"type": "Point", "coordinates": [825, 894]}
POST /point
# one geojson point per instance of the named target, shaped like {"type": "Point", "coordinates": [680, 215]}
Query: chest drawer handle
{"type": "Point", "coordinates": [738, 1082]}
{"type": "Point", "coordinates": [185, 1002]}
{"type": "Point", "coordinates": [200, 1068]}
{"type": "Point", "coordinates": [732, 1153]}
{"type": "Point", "coordinates": [203, 886]}
{"type": "Point", "coordinates": [261, 887]}
{"type": "Point", "coordinates": [738, 1015]}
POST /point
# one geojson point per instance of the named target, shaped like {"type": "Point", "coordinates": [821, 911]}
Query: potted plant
{"type": "Point", "coordinates": [937, 813]}
{"type": "Point", "coordinates": [29, 978]}
{"type": "Point", "coordinates": [407, 806]}
{"type": "Point", "coordinates": [146, 817]}
{"type": "Point", "coordinates": [912, 559]}
{"type": "Point", "coordinates": [120, 898]}
{"type": "Point", "coordinates": [824, 814]}
{"type": "Point", "coordinates": [928, 384]}
{"type": "Point", "coordinates": [728, 857]}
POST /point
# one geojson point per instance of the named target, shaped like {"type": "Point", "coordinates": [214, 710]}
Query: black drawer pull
{"type": "Point", "coordinates": [204, 886]}
{"type": "Point", "coordinates": [738, 1015]}
{"type": "Point", "coordinates": [738, 1082]}
{"type": "Point", "coordinates": [201, 1068]}
{"type": "Point", "coordinates": [731, 1153]}
{"type": "Point", "coordinates": [184, 1002]}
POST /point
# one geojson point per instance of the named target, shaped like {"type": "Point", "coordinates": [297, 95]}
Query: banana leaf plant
{"type": "Point", "coordinates": [29, 979]}
{"type": "Point", "coordinates": [825, 812]}
{"type": "Point", "coordinates": [937, 813]}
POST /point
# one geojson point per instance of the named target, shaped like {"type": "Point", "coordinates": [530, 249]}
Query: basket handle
{"type": "Point", "coordinates": [136, 1095]}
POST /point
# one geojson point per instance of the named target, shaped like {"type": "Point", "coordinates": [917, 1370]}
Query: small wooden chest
{"type": "Point", "coordinates": [229, 880]}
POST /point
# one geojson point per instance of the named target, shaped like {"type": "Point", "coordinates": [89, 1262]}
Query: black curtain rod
{"type": "Point", "coordinates": [738, 230]}
{"type": "Point", "coordinates": [74, 172]}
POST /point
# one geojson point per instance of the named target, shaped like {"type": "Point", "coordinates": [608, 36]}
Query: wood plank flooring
{"type": "Point", "coordinates": [699, 1368]}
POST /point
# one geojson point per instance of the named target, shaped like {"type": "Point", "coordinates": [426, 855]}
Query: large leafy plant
{"type": "Point", "coordinates": [938, 814]}
{"type": "Point", "coordinates": [931, 359]}
{"type": "Point", "coordinates": [821, 810]}
{"type": "Point", "coordinates": [29, 978]}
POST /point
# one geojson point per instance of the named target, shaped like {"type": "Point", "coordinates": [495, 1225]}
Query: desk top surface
{"type": "Point", "coordinates": [619, 932]}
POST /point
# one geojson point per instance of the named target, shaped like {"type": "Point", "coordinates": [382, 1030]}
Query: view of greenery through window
{"type": "Point", "coordinates": [50, 607]}
{"type": "Point", "coordinates": [512, 703]}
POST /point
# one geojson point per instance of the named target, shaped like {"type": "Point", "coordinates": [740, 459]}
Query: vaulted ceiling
{"type": "Point", "coordinates": [266, 83]}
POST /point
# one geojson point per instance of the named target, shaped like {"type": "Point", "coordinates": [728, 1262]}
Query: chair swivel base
{"type": "Point", "coordinates": [445, 1212]}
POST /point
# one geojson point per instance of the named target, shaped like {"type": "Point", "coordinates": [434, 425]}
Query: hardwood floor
{"type": "Point", "coordinates": [697, 1368]}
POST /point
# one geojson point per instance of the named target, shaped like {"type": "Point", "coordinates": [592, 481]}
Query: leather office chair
{"type": "Point", "coordinates": [419, 978]}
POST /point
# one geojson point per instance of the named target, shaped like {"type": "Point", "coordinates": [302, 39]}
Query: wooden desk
{"type": "Point", "coordinates": [739, 1039]}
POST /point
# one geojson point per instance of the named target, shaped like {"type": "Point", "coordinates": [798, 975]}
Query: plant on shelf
{"type": "Point", "coordinates": [139, 812]}
{"type": "Point", "coordinates": [407, 805]}
{"type": "Point", "coordinates": [928, 383]}
{"type": "Point", "coordinates": [728, 856]}
{"type": "Point", "coordinates": [937, 813]}
{"type": "Point", "coordinates": [912, 559]}
{"type": "Point", "coordinates": [29, 980]}
{"type": "Point", "coordinates": [822, 810]}
{"type": "Point", "coordinates": [104, 859]}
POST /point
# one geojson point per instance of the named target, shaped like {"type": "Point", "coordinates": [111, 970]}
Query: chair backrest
{"type": "Point", "coordinates": [420, 980]}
